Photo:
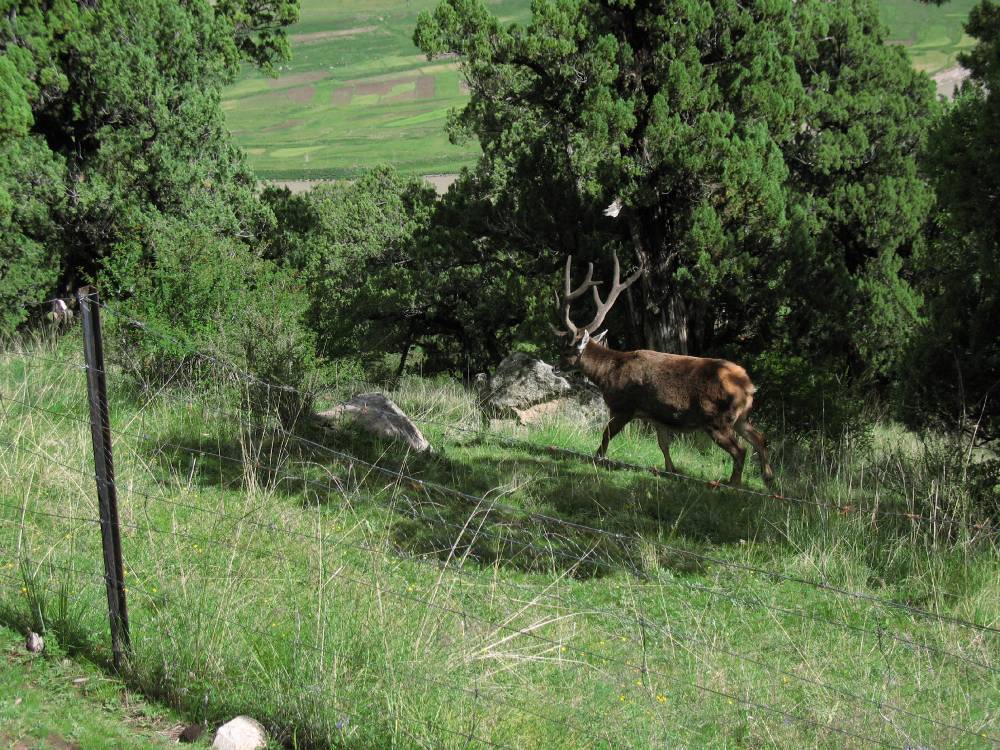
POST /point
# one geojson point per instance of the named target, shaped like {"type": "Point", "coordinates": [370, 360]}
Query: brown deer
{"type": "Point", "coordinates": [672, 392]}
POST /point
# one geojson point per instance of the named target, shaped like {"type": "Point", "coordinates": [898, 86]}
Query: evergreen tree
{"type": "Point", "coordinates": [114, 113]}
{"type": "Point", "coordinates": [956, 363]}
{"type": "Point", "coordinates": [764, 154]}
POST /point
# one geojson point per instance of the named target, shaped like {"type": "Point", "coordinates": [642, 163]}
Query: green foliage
{"type": "Point", "coordinates": [113, 109]}
{"type": "Point", "coordinates": [956, 363]}
{"type": "Point", "coordinates": [812, 398]}
{"type": "Point", "coordinates": [857, 203]}
{"type": "Point", "coordinates": [30, 185]}
{"type": "Point", "coordinates": [389, 268]}
{"type": "Point", "coordinates": [198, 291]}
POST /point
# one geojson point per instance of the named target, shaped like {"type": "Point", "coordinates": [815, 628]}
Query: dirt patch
{"type": "Point", "coordinates": [950, 80]}
{"type": "Point", "coordinates": [281, 126]}
{"type": "Point", "coordinates": [425, 87]}
{"type": "Point", "coordinates": [7, 741]}
{"type": "Point", "coordinates": [440, 182]}
{"type": "Point", "coordinates": [297, 187]}
{"type": "Point", "coordinates": [403, 96]}
{"type": "Point", "coordinates": [342, 97]}
{"type": "Point", "coordinates": [58, 743]}
{"type": "Point", "coordinates": [297, 80]}
{"type": "Point", "coordinates": [320, 36]}
{"type": "Point", "coordinates": [379, 87]}
{"type": "Point", "coordinates": [300, 94]}
{"type": "Point", "coordinates": [463, 86]}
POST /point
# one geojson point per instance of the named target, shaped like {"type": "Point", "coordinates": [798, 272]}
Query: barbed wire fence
{"type": "Point", "coordinates": [481, 626]}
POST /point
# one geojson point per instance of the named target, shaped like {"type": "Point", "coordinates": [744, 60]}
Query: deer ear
{"type": "Point", "coordinates": [584, 340]}
{"type": "Point", "coordinates": [599, 337]}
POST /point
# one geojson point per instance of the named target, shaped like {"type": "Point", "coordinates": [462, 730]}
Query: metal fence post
{"type": "Point", "coordinates": [104, 471]}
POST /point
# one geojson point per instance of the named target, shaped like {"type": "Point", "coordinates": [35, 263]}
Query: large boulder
{"type": "Point", "coordinates": [377, 414]}
{"type": "Point", "coordinates": [529, 390]}
{"type": "Point", "coordinates": [522, 381]}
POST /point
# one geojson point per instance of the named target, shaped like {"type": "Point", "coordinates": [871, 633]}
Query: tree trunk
{"type": "Point", "coordinates": [664, 319]}
{"type": "Point", "coordinates": [662, 311]}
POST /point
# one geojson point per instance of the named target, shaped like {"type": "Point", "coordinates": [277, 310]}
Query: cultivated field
{"type": "Point", "coordinates": [499, 593]}
{"type": "Point", "coordinates": [933, 34]}
{"type": "Point", "coordinates": [357, 92]}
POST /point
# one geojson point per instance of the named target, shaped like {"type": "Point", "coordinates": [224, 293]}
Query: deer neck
{"type": "Point", "coordinates": [594, 362]}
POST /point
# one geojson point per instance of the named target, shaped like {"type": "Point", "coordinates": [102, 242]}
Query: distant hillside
{"type": "Point", "coordinates": [357, 92]}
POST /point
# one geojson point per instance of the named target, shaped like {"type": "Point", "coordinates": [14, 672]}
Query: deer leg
{"type": "Point", "coordinates": [759, 443]}
{"type": "Point", "coordinates": [663, 437]}
{"type": "Point", "coordinates": [726, 440]}
{"type": "Point", "coordinates": [615, 425]}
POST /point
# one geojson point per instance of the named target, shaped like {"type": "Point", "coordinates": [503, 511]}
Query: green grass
{"type": "Point", "coordinates": [357, 92]}
{"type": "Point", "coordinates": [345, 607]}
{"type": "Point", "coordinates": [50, 701]}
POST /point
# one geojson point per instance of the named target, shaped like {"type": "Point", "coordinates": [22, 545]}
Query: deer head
{"type": "Point", "coordinates": [576, 337]}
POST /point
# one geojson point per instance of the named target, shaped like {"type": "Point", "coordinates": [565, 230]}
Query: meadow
{"type": "Point", "coordinates": [357, 92]}
{"type": "Point", "coordinates": [500, 592]}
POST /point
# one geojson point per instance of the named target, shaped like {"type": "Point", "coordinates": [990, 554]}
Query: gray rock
{"type": "Point", "coordinates": [377, 414]}
{"type": "Point", "coordinates": [521, 381]}
{"type": "Point", "coordinates": [242, 733]}
{"type": "Point", "coordinates": [529, 390]}
{"type": "Point", "coordinates": [587, 401]}
{"type": "Point", "coordinates": [34, 642]}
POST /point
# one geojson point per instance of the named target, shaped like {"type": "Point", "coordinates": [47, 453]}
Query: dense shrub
{"type": "Point", "coordinates": [390, 268]}
{"type": "Point", "coordinates": [800, 395]}
{"type": "Point", "coordinates": [199, 293]}
{"type": "Point", "coordinates": [954, 370]}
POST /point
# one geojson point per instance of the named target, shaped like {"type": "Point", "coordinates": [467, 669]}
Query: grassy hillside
{"type": "Point", "coordinates": [933, 34]}
{"type": "Point", "coordinates": [342, 603]}
{"type": "Point", "coordinates": [357, 92]}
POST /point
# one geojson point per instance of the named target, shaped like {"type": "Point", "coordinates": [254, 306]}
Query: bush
{"type": "Point", "coordinates": [213, 310]}
{"type": "Point", "coordinates": [805, 396]}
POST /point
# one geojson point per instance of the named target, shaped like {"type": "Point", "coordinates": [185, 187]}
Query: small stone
{"type": "Point", "coordinates": [242, 733]}
{"type": "Point", "coordinates": [191, 733]}
{"type": "Point", "coordinates": [34, 642]}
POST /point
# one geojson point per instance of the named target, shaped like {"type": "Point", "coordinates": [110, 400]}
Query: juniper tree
{"type": "Point", "coordinates": [112, 120]}
{"type": "Point", "coordinates": [763, 152]}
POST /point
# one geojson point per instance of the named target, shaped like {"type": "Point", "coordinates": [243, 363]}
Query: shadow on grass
{"type": "Point", "coordinates": [521, 507]}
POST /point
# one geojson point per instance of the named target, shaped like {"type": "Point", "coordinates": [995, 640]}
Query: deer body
{"type": "Point", "coordinates": [678, 392]}
{"type": "Point", "coordinates": [674, 393]}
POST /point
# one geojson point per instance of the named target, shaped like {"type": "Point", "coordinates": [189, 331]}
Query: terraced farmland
{"type": "Point", "coordinates": [357, 92]}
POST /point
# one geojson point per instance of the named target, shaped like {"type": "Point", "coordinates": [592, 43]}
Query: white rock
{"type": "Point", "coordinates": [376, 413]}
{"type": "Point", "coordinates": [242, 733]}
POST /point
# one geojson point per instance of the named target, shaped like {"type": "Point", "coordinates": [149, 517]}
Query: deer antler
{"type": "Point", "coordinates": [617, 287]}
{"type": "Point", "coordinates": [570, 294]}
